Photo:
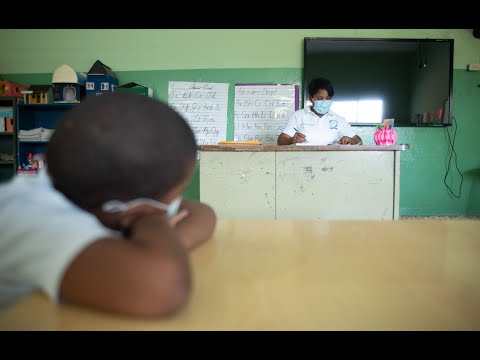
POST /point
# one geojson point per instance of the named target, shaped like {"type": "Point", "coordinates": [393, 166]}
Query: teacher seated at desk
{"type": "Point", "coordinates": [317, 124]}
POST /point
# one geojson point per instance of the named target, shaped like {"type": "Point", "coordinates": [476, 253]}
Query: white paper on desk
{"type": "Point", "coordinates": [324, 138]}
{"type": "Point", "coordinates": [312, 144]}
{"type": "Point", "coordinates": [315, 143]}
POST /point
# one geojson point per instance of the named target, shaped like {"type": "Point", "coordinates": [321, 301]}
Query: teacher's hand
{"type": "Point", "coordinates": [345, 140]}
{"type": "Point", "coordinates": [298, 138]}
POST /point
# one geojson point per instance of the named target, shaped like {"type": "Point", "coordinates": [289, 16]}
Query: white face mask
{"type": "Point", "coordinates": [117, 206]}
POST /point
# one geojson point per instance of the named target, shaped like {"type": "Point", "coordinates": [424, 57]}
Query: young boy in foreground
{"type": "Point", "coordinates": [104, 225]}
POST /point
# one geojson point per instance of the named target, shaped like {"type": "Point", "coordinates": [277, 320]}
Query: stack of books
{"type": "Point", "coordinates": [37, 134]}
{"type": "Point", "coordinates": [6, 119]}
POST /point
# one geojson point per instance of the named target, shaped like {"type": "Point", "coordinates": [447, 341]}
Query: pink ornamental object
{"type": "Point", "coordinates": [385, 136]}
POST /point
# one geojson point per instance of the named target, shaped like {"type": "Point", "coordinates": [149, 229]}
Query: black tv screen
{"type": "Point", "coordinates": [408, 80]}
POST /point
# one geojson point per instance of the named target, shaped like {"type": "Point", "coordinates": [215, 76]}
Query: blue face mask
{"type": "Point", "coordinates": [116, 206]}
{"type": "Point", "coordinates": [322, 106]}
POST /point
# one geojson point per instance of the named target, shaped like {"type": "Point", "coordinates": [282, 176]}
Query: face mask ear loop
{"type": "Point", "coordinates": [117, 206]}
{"type": "Point", "coordinates": [114, 206]}
{"type": "Point", "coordinates": [142, 201]}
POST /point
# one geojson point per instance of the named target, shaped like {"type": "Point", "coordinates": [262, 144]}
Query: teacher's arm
{"type": "Point", "coordinates": [354, 140]}
{"type": "Point", "coordinates": [284, 139]}
{"type": "Point", "coordinates": [347, 134]}
{"type": "Point", "coordinates": [290, 134]}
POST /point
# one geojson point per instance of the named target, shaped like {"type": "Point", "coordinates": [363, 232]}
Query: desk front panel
{"type": "Point", "coordinates": [239, 185]}
{"type": "Point", "coordinates": [335, 185]}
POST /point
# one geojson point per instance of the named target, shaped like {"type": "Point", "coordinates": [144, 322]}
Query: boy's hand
{"type": "Point", "coordinates": [175, 219]}
{"type": "Point", "coordinates": [132, 215]}
{"type": "Point", "coordinates": [198, 226]}
{"type": "Point", "coordinates": [194, 223]}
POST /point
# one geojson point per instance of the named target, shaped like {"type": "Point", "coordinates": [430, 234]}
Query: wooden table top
{"type": "Point", "coordinates": [309, 275]}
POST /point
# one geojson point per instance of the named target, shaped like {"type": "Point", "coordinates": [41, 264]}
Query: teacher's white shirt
{"type": "Point", "coordinates": [324, 130]}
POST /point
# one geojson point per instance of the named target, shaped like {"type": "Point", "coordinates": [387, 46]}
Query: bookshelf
{"type": "Point", "coordinates": [8, 140]}
{"type": "Point", "coordinates": [34, 116]}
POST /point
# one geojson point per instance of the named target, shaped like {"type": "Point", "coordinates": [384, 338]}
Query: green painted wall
{"type": "Point", "coordinates": [154, 57]}
{"type": "Point", "coordinates": [43, 50]}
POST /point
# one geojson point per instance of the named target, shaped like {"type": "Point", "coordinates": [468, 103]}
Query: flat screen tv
{"type": "Point", "coordinates": [408, 80]}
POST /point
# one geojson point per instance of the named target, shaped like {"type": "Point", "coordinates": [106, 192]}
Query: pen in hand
{"type": "Point", "coordinates": [305, 140]}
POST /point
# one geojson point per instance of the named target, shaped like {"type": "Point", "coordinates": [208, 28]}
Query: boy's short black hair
{"type": "Point", "coordinates": [119, 146]}
{"type": "Point", "coordinates": [320, 84]}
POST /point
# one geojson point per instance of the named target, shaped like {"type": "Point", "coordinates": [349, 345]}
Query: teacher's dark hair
{"type": "Point", "coordinates": [320, 84]}
{"type": "Point", "coordinates": [119, 146]}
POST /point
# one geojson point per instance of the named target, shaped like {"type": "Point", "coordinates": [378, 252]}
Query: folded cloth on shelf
{"type": "Point", "coordinates": [37, 134]}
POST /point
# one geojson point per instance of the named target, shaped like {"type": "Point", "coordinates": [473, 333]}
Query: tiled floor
{"type": "Point", "coordinates": [439, 217]}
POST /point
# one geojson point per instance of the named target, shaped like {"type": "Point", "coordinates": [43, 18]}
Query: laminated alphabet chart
{"type": "Point", "coordinates": [261, 110]}
{"type": "Point", "coordinates": [204, 107]}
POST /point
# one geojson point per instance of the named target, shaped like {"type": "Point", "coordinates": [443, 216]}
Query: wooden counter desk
{"type": "Point", "coordinates": [310, 275]}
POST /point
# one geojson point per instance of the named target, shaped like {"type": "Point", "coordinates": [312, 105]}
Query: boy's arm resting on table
{"type": "Point", "coordinates": [147, 274]}
{"type": "Point", "coordinates": [198, 226]}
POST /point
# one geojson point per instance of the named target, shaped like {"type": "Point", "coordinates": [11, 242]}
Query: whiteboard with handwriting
{"type": "Point", "coordinates": [204, 107]}
{"type": "Point", "coordinates": [261, 111]}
